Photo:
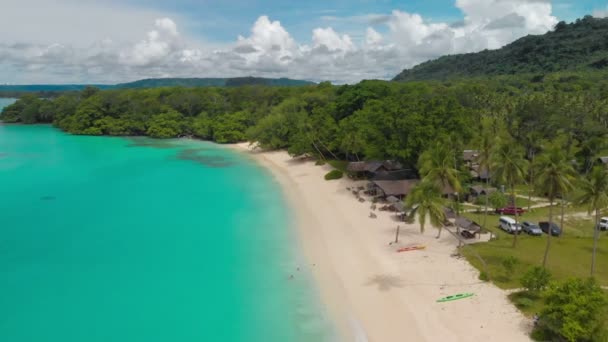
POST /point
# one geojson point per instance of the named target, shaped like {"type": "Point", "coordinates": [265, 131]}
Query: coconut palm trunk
{"type": "Point", "coordinates": [548, 233]}
{"type": "Point", "coordinates": [561, 219]}
{"type": "Point", "coordinates": [596, 235]}
{"type": "Point", "coordinates": [515, 233]}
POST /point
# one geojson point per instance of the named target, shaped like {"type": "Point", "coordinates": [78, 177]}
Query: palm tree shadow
{"type": "Point", "coordinates": [385, 282]}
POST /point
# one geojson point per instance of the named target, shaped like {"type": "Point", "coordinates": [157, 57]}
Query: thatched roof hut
{"type": "Point", "coordinates": [468, 225]}
{"type": "Point", "coordinates": [397, 188]}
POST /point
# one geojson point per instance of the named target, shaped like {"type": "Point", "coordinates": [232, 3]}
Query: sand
{"type": "Point", "coordinates": [372, 292]}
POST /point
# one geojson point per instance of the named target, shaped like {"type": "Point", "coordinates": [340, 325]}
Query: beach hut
{"type": "Point", "coordinates": [479, 190]}
{"type": "Point", "coordinates": [479, 173]}
{"type": "Point", "coordinates": [369, 169]}
{"type": "Point", "coordinates": [468, 228]}
{"type": "Point", "coordinates": [396, 188]}
{"type": "Point", "coordinates": [470, 156]}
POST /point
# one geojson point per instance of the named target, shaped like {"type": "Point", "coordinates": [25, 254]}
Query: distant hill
{"type": "Point", "coordinates": [581, 45]}
{"type": "Point", "coordinates": [158, 82]}
{"type": "Point", "coordinates": [212, 82]}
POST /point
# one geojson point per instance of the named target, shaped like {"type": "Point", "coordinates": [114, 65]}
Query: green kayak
{"type": "Point", "coordinates": [455, 297]}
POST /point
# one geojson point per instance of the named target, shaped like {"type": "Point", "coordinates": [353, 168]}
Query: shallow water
{"type": "Point", "coordinates": [120, 239]}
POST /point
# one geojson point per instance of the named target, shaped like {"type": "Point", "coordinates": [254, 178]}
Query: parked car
{"type": "Point", "coordinates": [603, 225]}
{"type": "Point", "coordinates": [555, 229]}
{"type": "Point", "coordinates": [510, 210]}
{"type": "Point", "coordinates": [531, 228]}
{"type": "Point", "coordinates": [509, 225]}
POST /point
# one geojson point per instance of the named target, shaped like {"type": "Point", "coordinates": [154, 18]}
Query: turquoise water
{"type": "Point", "coordinates": [132, 239]}
{"type": "Point", "coordinates": [5, 102]}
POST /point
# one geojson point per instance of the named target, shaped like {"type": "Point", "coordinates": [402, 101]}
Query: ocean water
{"type": "Point", "coordinates": [133, 239]}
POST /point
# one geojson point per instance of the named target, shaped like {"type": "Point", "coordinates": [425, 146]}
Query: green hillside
{"type": "Point", "coordinates": [581, 45]}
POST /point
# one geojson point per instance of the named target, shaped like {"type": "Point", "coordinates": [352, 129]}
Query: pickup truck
{"type": "Point", "coordinates": [510, 211]}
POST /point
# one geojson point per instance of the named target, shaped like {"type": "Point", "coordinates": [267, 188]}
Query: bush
{"type": "Point", "coordinates": [509, 265]}
{"type": "Point", "coordinates": [483, 276]}
{"type": "Point", "coordinates": [334, 174]}
{"type": "Point", "coordinates": [481, 200]}
{"type": "Point", "coordinates": [523, 303]}
{"type": "Point", "coordinates": [575, 310]}
{"type": "Point", "coordinates": [497, 199]}
{"type": "Point", "coordinates": [536, 279]}
{"type": "Point", "coordinates": [320, 162]}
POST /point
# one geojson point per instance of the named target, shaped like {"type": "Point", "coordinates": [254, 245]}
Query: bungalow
{"type": "Point", "coordinates": [468, 228]}
{"type": "Point", "coordinates": [397, 188]}
{"type": "Point", "coordinates": [479, 173]}
{"type": "Point", "coordinates": [367, 169]}
{"type": "Point", "coordinates": [470, 156]}
{"type": "Point", "coordinates": [478, 190]}
{"type": "Point", "coordinates": [603, 160]}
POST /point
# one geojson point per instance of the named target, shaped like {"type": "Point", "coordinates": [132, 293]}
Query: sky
{"type": "Point", "coordinates": [342, 41]}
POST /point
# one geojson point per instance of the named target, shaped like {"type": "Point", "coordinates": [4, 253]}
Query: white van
{"type": "Point", "coordinates": [604, 223]}
{"type": "Point", "coordinates": [509, 225]}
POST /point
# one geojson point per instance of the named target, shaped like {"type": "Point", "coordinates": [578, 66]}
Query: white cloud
{"type": "Point", "coordinates": [372, 37]}
{"type": "Point", "coordinates": [269, 50]}
{"type": "Point", "coordinates": [327, 38]}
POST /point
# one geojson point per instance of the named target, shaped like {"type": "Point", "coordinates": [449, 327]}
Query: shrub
{"type": "Point", "coordinates": [575, 310]}
{"type": "Point", "coordinates": [320, 162]}
{"type": "Point", "coordinates": [509, 264]}
{"type": "Point", "coordinates": [536, 279]}
{"type": "Point", "coordinates": [481, 200]}
{"type": "Point", "coordinates": [497, 199]}
{"type": "Point", "coordinates": [334, 174]}
{"type": "Point", "coordinates": [483, 276]}
{"type": "Point", "coordinates": [524, 303]}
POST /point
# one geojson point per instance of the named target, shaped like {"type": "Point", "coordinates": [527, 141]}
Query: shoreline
{"type": "Point", "coordinates": [370, 292]}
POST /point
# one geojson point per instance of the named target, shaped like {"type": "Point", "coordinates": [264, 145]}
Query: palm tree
{"type": "Point", "coordinates": [426, 201]}
{"type": "Point", "coordinates": [509, 166]}
{"type": "Point", "coordinates": [594, 194]}
{"type": "Point", "coordinates": [554, 177]}
{"type": "Point", "coordinates": [436, 165]}
{"type": "Point", "coordinates": [485, 145]}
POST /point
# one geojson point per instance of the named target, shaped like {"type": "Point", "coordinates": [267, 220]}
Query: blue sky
{"type": "Point", "coordinates": [234, 17]}
{"type": "Point", "coordinates": [342, 41]}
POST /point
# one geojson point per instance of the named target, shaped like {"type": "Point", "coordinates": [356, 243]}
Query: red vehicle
{"type": "Point", "coordinates": [510, 211]}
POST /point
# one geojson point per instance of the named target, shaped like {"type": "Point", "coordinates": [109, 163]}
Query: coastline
{"type": "Point", "coordinates": [371, 292]}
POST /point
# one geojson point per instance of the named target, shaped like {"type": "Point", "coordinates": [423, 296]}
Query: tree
{"type": "Point", "coordinates": [486, 142]}
{"type": "Point", "coordinates": [554, 177]}
{"type": "Point", "coordinates": [509, 165]}
{"type": "Point", "coordinates": [575, 310]}
{"type": "Point", "coordinates": [426, 201]}
{"type": "Point", "coordinates": [536, 279]}
{"type": "Point", "coordinates": [594, 194]}
{"type": "Point", "coordinates": [436, 165]}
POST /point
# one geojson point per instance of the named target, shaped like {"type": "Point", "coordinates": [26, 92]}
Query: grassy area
{"type": "Point", "coordinates": [570, 254]}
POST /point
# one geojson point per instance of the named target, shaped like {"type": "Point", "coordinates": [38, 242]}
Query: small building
{"type": "Point", "coordinates": [479, 173]}
{"type": "Point", "coordinates": [397, 188]}
{"type": "Point", "coordinates": [479, 190]}
{"type": "Point", "coordinates": [468, 228]}
{"type": "Point", "coordinates": [603, 160]}
{"type": "Point", "coordinates": [470, 156]}
{"type": "Point", "coordinates": [368, 169]}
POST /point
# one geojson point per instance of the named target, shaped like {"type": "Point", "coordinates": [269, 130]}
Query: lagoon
{"type": "Point", "coordinates": [134, 239]}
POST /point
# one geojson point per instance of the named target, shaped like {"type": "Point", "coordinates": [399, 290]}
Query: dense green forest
{"type": "Point", "coordinates": [579, 46]}
{"type": "Point", "coordinates": [372, 119]}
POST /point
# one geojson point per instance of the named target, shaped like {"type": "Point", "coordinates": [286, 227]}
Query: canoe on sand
{"type": "Point", "coordinates": [412, 248]}
{"type": "Point", "coordinates": [455, 297]}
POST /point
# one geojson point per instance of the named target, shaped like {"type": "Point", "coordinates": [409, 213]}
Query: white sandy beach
{"type": "Point", "coordinates": [373, 292]}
